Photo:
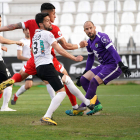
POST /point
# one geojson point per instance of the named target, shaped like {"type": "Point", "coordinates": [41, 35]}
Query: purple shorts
{"type": "Point", "coordinates": [107, 72]}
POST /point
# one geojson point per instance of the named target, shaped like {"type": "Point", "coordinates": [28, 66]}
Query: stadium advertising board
{"type": "Point", "coordinates": [76, 68]}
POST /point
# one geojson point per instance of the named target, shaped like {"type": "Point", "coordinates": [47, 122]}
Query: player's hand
{"type": "Point", "coordinates": [19, 43]}
{"type": "Point", "coordinates": [126, 71]}
{"type": "Point", "coordinates": [4, 48]}
{"type": "Point", "coordinates": [79, 58]}
{"type": "Point", "coordinates": [78, 81]}
{"type": "Point", "coordinates": [83, 44]}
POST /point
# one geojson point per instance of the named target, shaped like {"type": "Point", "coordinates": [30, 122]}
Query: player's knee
{"type": "Point", "coordinates": [66, 79]}
{"type": "Point", "coordinates": [94, 82]}
{"type": "Point", "coordinates": [28, 86]}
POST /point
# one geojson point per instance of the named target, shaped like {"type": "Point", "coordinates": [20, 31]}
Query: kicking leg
{"type": "Point", "coordinates": [72, 98]}
{"type": "Point", "coordinates": [75, 91]}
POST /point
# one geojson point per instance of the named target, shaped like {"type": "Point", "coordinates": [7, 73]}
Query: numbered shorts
{"type": "Point", "coordinates": [48, 73]}
{"type": "Point", "coordinates": [30, 69]}
{"type": "Point", "coordinates": [107, 72]}
{"type": "Point", "coordinates": [4, 72]}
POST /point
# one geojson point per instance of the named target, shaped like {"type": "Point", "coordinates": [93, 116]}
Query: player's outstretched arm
{"type": "Point", "coordinates": [65, 53]}
{"type": "Point", "coordinates": [11, 27]}
{"type": "Point", "coordinates": [69, 46]}
{"type": "Point", "coordinates": [7, 41]}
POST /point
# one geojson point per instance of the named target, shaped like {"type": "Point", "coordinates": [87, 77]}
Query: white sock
{"type": "Point", "coordinates": [56, 101]}
{"type": "Point", "coordinates": [75, 91]}
{"type": "Point", "coordinates": [21, 90]}
{"type": "Point", "coordinates": [50, 91]}
{"type": "Point", "coordinates": [6, 96]}
{"type": "Point", "coordinates": [75, 106]}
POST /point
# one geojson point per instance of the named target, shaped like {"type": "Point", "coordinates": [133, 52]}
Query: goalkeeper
{"type": "Point", "coordinates": [111, 66]}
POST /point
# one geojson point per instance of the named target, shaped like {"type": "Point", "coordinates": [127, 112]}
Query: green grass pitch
{"type": "Point", "coordinates": [119, 120]}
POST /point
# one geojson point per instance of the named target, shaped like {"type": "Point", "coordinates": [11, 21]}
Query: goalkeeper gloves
{"type": "Point", "coordinates": [78, 79]}
{"type": "Point", "coordinates": [124, 69]}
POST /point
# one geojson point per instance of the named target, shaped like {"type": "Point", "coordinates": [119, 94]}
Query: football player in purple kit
{"type": "Point", "coordinates": [111, 66]}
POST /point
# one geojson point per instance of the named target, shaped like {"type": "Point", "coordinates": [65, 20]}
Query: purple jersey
{"type": "Point", "coordinates": [101, 47]}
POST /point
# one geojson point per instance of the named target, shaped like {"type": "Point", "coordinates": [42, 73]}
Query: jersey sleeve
{"type": "Point", "coordinates": [50, 38]}
{"type": "Point", "coordinates": [107, 42]}
{"type": "Point", "coordinates": [57, 33]}
{"type": "Point", "coordinates": [26, 24]}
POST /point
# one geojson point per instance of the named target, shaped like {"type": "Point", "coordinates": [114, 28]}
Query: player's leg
{"type": "Point", "coordinates": [72, 98]}
{"type": "Point", "coordinates": [75, 91]}
{"type": "Point", "coordinates": [60, 96]}
{"type": "Point", "coordinates": [22, 89]}
{"type": "Point", "coordinates": [85, 82]}
{"type": "Point", "coordinates": [6, 98]}
{"type": "Point", "coordinates": [108, 73]}
{"type": "Point", "coordinates": [61, 69]}
{"type": "Point", "coordinates": [55, 102]}
{"type": "Point", "coordinates": [50, 89]}
{"type": "Point", "coordinates": [48, 73]}
{"type": "Point", "coordinates": [27, 69]}
{"type": "Point", "coordinates": [4, 75]}
{"type": "Point", "coordinates": [90, 81]}
{"type": "Point", "coordinates": [17, 77]}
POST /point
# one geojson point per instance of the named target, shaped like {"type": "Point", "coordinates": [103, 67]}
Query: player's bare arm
{"type": "Point", "coordinates": [65, 53]}
{"type": "Point", "coordinates": [7, 41]}
{"type": "Point", "coordinates": [11, 27]}
{"type": "Point", "coordinates": [20, 57]}
{"type": "Point", "coordinates": [69, 46]}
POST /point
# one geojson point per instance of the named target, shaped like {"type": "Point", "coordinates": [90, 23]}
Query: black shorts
{"type": "Point", "coordinates": [30, 77]}
{"type": "Point", "coordinates": [4, 72]}
{"type": "Point", "coordinates": [48, 73]}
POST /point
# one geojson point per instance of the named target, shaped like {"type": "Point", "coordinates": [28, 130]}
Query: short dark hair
{"type": "Point", "coordinates": [40, 17]}
{"type": "Point", "coordinates": [0, 15]}
{"type": "Point", "coordinates": [47, 6]}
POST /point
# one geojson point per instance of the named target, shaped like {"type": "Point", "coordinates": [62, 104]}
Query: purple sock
{"type": "Point", "coordinates": [85, 83]}
{"type": "Point", "coordinates": [90, 88]}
